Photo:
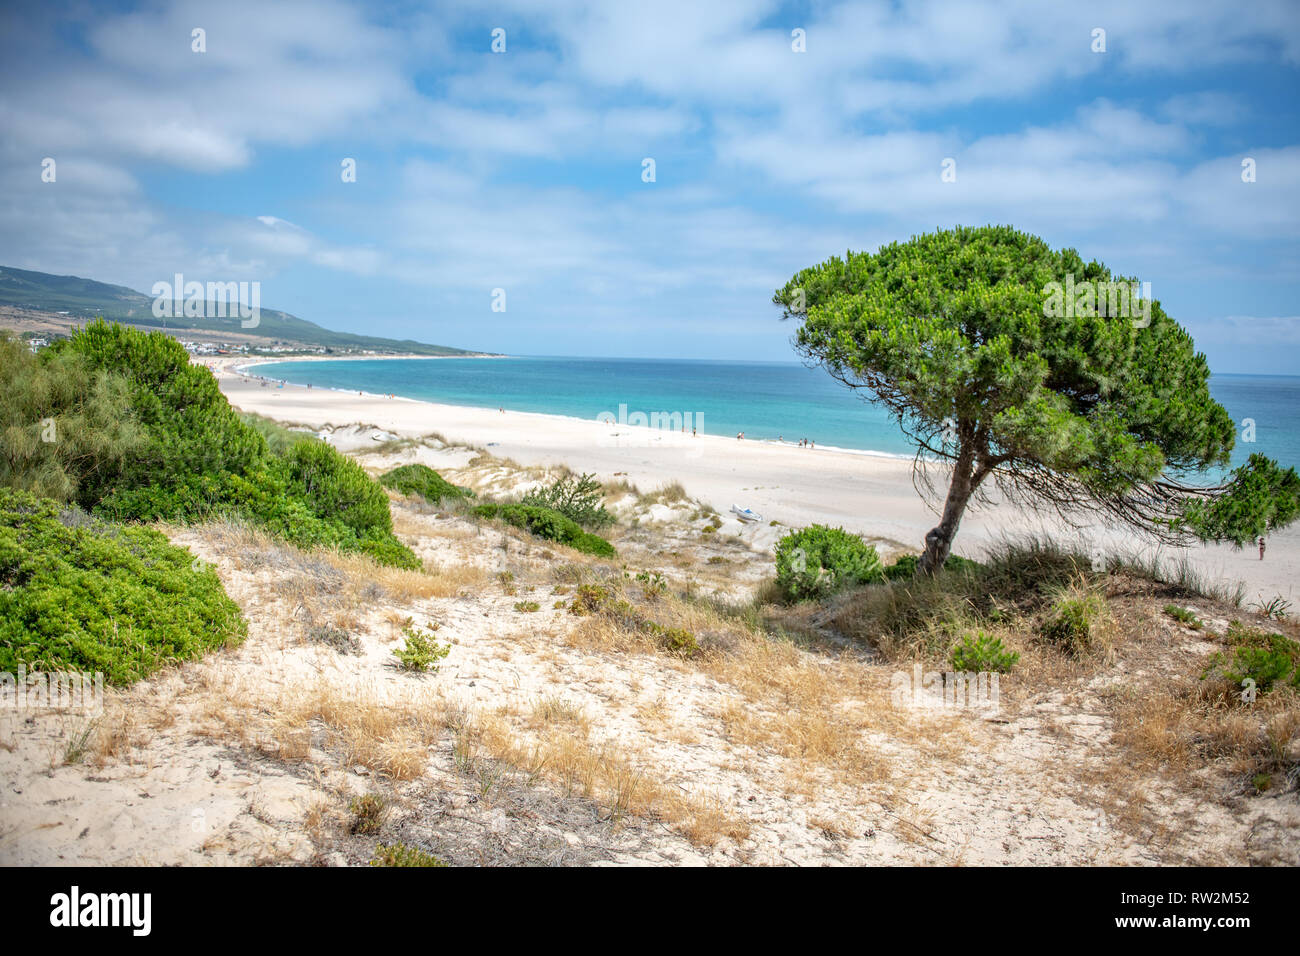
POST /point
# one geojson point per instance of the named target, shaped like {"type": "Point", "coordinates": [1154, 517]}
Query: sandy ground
{"type": "Point", "coordinates": [552, 738]}
{"type": "Point", "coordinates": [871, 495]}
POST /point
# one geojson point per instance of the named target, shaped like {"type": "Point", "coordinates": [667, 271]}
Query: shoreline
{"type": "Point", "coordinates": [777, 442]}
{"type": "Point", "coordinates": [868, 494]}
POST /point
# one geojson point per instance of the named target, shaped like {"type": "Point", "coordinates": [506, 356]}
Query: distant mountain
{"type": "Point", "coordinates": [84, 299]}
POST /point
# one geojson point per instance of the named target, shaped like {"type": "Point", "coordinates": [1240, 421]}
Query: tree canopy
{"type": "Point", "coordinates": [1060, 381]}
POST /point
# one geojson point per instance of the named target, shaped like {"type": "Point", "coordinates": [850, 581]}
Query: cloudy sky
{"type": "Point", "coordinates": [523, 170]}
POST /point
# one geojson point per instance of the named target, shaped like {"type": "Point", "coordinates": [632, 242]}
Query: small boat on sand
{"type": "Point", "coordinates": [744, 514]}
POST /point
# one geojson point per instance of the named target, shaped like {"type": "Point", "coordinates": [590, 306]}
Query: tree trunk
{"type": "Point", "coordinates": [938, 541]}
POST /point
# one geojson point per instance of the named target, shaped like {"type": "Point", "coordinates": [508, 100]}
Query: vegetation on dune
{"type": "Point", "coordinates": [1255, 660]}
{"type": "Point", "coordinates": [906, 565]}
{"type": "Point", "coordinates": [142, 434]}
{"type": "Point", "coordinates": [982, 653]}
{"type": "Point", "coordinates": [400, 854]}
{"type": "Point", "coordinates": [82, 594]}
{"type": "Point", "coordinates": [580, 499]}
{"type": "Point", "coordinates": [817, 561]}
{"type": "Point", "coordinates": [422, 480]}
{"type": "Point", "coordinates": [62, 421]}
{"type": "Point", "coordinates": [421, 652]}
{"type": "Point", "coordinates": [549, 524]}
{"type": "Point", "coordinates": [1101, 402]}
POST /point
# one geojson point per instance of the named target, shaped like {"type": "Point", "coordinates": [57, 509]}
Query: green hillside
{"type": "Point", "coordinates": [86, 299]}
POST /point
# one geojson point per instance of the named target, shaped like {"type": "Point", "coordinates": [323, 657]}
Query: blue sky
{"type": "Point", "coordinates": [522, 170]}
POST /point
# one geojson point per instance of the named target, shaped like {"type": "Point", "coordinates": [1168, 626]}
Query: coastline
{"type": "Point", "coordinates": [870, 494]}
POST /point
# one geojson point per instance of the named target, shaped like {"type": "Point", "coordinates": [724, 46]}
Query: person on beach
{"type": "Point", "coordinates": [1261, 547]}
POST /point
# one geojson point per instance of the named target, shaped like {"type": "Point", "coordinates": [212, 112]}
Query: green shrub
{"type": "Point", "coordinates": [549, 524]}
{"type": "Point", "coordinates": [579, 499]}
{"type": "Point", "coordinates": [817, 561]}
{"type": "Point", "coordinates": [60, 420]}
{"type": "Point", "coordinates": [421, 652]}
{"type": "Point", "coordinates": [192, 439]}
{"type": "Point", "coordinates": [336, 488]}
{"type": "Point", "coordinates": [78, 593]}
{"type": "Point", "coordinates": [527, 607]}
{"type": "Point", "coordinates": [193, 457]}
{"type": "Point", "coordinates": [423, 481]}
{"type": "Point", "coordinates": [399, 854]}
{"type": "Point", "coordinates": [675, 640]}
{"type": "Point", "coordinates": [588, 598]}
{"type": "Point", "coordinates": [983, 654]}
{"type": "Point", "coordinates": [1267, 659]}
{"type": "Point", "coordinates": [905, 567]}
{"type": "Point", "coordinates": [1076, 621]}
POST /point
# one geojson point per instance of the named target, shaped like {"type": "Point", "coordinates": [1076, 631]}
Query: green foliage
{"type": "Point", "coordinates": [181, 453]}
{"type": "Point", "coordinates": [61, 421]}
{"type": "Point", "coordinates": [400, 854]}
{"type": "Point", "coordinates": [1275, 608]}
{"type": "Point", "coordinates": [588, 598]}
{"type": "Point", "coordinates": [278, 438]}
{"type": "Point", "coordinates": [81, 594]}
{"type": "Point", "coordinates": [193, 440]}
{"type": "Point", "coordinates": [1182, 615]}
{"type": "Point", "coordinates": [983, 653]}
{"type": "Point", "coordinates": [962, 335]}
{"type": "Point", "coordinates": [905, 568]}
{"type": "Point", "coordinates": [1075, 621]}
{"type": "Point", "coordinates": [549, 524]}
{"type": "Point", "coordinates": [1260, 498]}
{"type": "Point", "coordinates": [675, 640]}
{"type": "Point", "coordinates": [1267, 659]}
{"type": "Point", "coordinates": [421, 652]}
{"type": "Point", "coordinates": [818, 561]}
{"type": "Point", "coordinates": [652, 583]}
{"type": "Point", "coordinates": [423, 481]}
{"type": "Point", "coordinates": [579, 499]}
{"type": "Point", "coordinates": [527, 607]}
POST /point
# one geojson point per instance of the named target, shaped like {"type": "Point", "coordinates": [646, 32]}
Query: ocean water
{"type": "Point", "coordinates": [765, 400]}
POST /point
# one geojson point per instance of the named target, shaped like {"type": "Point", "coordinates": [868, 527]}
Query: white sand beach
{"type": "Point", "coordinates": [868, 494]}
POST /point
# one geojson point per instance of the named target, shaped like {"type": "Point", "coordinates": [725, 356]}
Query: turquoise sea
{"type": "Point", "coordinates": [765, 400]}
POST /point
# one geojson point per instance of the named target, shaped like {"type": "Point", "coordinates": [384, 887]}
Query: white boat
{"type": "Point", "coordinates": [744, 514]}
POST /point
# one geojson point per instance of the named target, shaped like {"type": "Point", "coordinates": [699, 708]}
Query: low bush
{"type": "Point", "coordinates": [818, 561]}
{"type": "Point", "coordinates": [580, 499]}
{"type": "Point", "coordinates": [1267, 659]}
{"type": "Point", "coordinates": [78, 593]}
{"type": "Point", "coordinates": [1076, 622]}
{"type": "Point", "coordinates": [399, 854]}
{"type": "Point", "coordinates": [549, 524]}
{"type": "Point", "coordinates": [905, 567]}
{"type": "Point", "coordinates": [982, 654]}
{"type": "Point", "coordinates": [423, 481]}
{"type": "Point", "coordinates": [421, 652]}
